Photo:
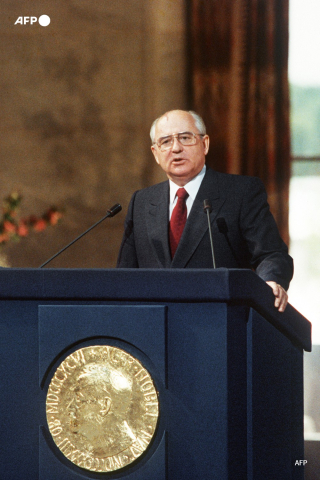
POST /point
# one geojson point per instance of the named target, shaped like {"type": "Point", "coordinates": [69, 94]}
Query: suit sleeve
{"type": "Point", "coordinates": [269, 254]}
{"type": "Point", "coordinates": [127, 257]}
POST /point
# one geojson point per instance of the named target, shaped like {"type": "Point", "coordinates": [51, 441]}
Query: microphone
{"type": "Point", "coordinates": [110, 213]}
{"type": "Point", "coordinates": [207, 208]}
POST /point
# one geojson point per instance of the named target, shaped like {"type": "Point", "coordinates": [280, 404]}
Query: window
{"type": "Point", "coordinates": [304, 202]}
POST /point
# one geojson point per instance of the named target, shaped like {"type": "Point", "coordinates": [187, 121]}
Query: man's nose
{"type": "Point", "coordinates": [176, 146]}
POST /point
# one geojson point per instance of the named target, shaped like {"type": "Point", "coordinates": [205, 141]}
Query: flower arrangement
{"type": "Point", "coordinates": [13, 229]}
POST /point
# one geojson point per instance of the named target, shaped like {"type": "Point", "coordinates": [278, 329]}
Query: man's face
{"type": "Point", "coordinates": [180, 163]}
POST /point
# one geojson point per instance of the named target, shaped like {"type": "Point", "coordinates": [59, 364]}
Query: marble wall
{"type": "Point", "coordinates": [77, 101]}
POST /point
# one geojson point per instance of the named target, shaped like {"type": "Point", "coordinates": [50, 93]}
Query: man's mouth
{"type": "Point", "coordinates": [177, 160]}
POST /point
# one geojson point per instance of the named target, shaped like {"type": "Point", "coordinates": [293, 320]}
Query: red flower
{"type": "Point", "coordinates": [13, 229]}
{"type": "Point", "coordinates": [3, 238]}
{"type": "Point", "coordinates": [53, 217]}
{"type": "Point", "coordinates": [9, 227]}
{"type": "Point", "coordinates": [39, 225]}
{"type": "Point", "coordinates": [22, 230]}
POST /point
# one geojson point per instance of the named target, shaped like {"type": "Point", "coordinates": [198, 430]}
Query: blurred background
{"type": "Point", "coordinates": [78, 98]}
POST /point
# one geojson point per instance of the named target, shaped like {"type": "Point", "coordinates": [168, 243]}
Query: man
{"type": "Point", "coordinates": [98, 410]}
{"type": "Point", "coordinates": [244, 231]}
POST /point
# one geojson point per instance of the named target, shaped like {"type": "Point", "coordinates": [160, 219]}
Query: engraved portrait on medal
{"type": "Point", "coordinates": [102, 408]}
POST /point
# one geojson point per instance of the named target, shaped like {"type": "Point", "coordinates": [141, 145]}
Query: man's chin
{"type": "Point", "coordinates": [180, 169]}
{"type": "Point", "coordinates": [180, 177]}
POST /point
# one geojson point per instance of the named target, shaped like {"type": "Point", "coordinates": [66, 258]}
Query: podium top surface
{"type": "Point", "coordinates": [233, 286]}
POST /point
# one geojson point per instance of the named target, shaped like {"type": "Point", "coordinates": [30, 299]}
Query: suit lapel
{"type": "Point", "coordinates": [197, 223]}
{"type": "Point", "coordinates": [157, 215]}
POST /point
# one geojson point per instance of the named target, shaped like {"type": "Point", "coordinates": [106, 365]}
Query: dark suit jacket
{"type": "Point", "coordinates": [244, 232]}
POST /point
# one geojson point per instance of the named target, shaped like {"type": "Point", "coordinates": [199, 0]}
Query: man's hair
{"type": "Point", "coordinates": [199, 123]}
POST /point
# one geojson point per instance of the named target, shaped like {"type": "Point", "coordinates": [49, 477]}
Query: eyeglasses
{"type": "Point", "coordinates": [185, 138]}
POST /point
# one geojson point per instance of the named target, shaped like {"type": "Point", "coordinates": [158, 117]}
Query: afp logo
{"type": "Point", "coordinates": [44, 20]}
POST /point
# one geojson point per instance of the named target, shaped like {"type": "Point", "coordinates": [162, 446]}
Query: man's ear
{"type": "Point", "coordinates": [206, 142]}
{"type": "Point", "coordinates": [105, 407]}
{"type": "Point", "coordinates": [155, 153]}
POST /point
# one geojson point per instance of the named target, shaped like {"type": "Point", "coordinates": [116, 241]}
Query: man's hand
{"type": "Point", "coordinates": [280, 294]}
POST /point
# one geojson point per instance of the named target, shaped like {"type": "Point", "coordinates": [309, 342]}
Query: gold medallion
{"type": "Point", "coordinates": [102, 408]}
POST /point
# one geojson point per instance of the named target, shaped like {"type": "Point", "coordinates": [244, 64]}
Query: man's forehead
{"type": "Point", "coordinates": [178, 120]}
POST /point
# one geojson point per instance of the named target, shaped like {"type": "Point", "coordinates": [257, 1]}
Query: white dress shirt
{"type": "Point", "coordinates": [191, 187]}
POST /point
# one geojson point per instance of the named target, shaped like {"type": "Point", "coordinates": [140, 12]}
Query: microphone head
{"type": "Point", "coordinates": [114, 210]}
{"type": "Point", "coordinates": [207, 206]}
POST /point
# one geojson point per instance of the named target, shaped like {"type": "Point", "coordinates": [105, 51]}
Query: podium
{"type": "Point", "coordinates": [227, 366]}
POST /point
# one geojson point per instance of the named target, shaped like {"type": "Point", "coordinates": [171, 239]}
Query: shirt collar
{"type": "Point", "coordinates": [191, 187]}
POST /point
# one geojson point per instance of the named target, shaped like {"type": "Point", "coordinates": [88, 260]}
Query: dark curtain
{"type": "Point", "coordinates": [238, 73]}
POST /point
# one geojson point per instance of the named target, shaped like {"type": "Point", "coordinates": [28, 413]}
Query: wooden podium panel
{"type": "Point", "coordinates": [227, 367]}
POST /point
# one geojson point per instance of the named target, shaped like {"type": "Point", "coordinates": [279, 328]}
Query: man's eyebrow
{"type": "Point", "coordinates": [178, 133]}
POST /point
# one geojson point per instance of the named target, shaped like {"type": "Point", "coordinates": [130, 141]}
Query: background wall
{"type": "Point", "coordinates": [77, 101]}
{"type": "Point", "coordinates": [78, 98]}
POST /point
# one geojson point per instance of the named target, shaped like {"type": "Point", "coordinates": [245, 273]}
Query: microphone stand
{"type": "Point", "coordinates": [207, 208]}
{"type": "Point", "coordinates": [110, 213]}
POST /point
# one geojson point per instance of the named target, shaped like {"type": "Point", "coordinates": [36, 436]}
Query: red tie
{"type": "Point", "coordinates": [178, 220]}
